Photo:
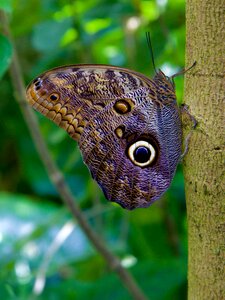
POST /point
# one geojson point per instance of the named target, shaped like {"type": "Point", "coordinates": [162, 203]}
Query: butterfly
{"type": "Point", "coordinates": [127, 126]}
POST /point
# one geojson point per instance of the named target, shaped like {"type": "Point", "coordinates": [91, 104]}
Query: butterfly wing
{"type": "Point", "coordinates": [120, 118]}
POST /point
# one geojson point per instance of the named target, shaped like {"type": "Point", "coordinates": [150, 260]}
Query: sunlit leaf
{"type": "Point", "coordinates": [150, 10]}
{"type": "Point", "coordinates": [69, 36]}
{"type": "Point", "coordinates": [97, 24]}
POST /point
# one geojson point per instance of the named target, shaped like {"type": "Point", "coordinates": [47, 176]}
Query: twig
{"type": "Point", "coordinates": [58, 241]}
{"type": "Point", "coordinates": [57, 177]}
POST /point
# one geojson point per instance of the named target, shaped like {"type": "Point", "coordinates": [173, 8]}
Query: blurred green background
{"type": "Point", "coordinates": [38, 238]}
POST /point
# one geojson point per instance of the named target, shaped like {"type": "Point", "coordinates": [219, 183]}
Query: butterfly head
{"type": "Point", "coordinates": [162, 80]}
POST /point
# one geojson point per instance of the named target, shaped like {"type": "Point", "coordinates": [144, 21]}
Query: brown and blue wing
{"type": "Point", "coordinates": [127, 126]}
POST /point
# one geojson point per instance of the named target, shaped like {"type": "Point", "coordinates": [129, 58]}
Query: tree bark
{"type": "Point", "coordinates": [203, 165]}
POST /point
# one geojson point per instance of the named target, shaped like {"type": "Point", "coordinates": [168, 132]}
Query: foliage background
{"type": "Point", "coordinates": [151, 242]}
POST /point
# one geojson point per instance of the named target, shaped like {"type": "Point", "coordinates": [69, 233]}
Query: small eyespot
{"type": "Point", "coordinates": [119, 131]}
{"type": "Point", "coordinates": [54, 97]}
{"type": "Point", "coordinates": [142, 153]}
{"type": "Point", "coordinates": [37, 83]}
{"type": "Point", "coordinates": [122, 106]}
{"type": "Point", "coordinates": [36, 80]}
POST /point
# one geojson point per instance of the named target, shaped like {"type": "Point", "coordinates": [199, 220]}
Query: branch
{"type": "Point", "coordinates": [58, 179]}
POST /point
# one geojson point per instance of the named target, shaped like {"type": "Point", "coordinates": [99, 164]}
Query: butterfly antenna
{"type": "Point", "coordinates": [148, 38]}
{"type": "Point", "coordinates": [183, 71]}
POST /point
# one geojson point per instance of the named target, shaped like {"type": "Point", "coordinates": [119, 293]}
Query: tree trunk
{"type": "Point", "coordinates": [203, 165]}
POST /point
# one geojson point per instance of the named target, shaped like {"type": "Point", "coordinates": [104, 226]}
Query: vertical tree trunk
{"type": "Point", "coordinates": [203, 166]}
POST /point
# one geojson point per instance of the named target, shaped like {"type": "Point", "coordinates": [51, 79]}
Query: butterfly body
{"type": "Point", "coordinates": [127, 126]}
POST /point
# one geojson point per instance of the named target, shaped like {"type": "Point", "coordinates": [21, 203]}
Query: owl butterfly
{"type": "Point", "coordinates": [127, 126]}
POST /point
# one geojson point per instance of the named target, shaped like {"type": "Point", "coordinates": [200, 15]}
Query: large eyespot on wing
{"type": "Point", "coordinates": [142, 153]}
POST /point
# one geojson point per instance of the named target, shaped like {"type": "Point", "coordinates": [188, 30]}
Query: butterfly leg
{"type": "Point", "coordinates": [185, 112]}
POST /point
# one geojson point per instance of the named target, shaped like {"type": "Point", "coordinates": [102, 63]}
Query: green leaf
{"type": "Point", "coordinates": [5, 54]}
{"type": "Point", "coordinates": [47, 35]}
{"type": "Point", "coordinates": [6, 5]}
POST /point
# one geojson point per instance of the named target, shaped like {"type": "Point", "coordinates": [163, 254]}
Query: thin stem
{"type": "Point", "coordinates": [57, 177]}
